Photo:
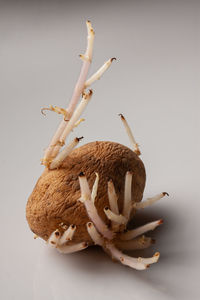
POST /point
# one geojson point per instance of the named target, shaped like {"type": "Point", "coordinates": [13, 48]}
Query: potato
{"type": "Point", "coordinates": [55, 198]}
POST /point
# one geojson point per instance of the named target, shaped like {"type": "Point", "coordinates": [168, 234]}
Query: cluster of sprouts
{"type": "Point", "coordinates": [115, 238]}
{"type": "Point", "coordinates": [53, 157]}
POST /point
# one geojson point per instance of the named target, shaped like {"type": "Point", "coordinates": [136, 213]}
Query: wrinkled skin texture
{"type": "Point", "coordinates": [54, 199]}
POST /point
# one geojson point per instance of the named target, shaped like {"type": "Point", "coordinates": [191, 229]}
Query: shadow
{"type": "Point", "coordinates": [162, 233]}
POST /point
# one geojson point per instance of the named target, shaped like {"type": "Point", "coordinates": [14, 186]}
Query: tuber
{"type": "Point", "coordinates": [87, 195]}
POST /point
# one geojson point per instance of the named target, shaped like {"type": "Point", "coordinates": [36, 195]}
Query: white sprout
{"type": "Point", "coordinates": [125, 259]}
{"type": "Point", "coordinates": [67, 235]}
{"type": "Point", "coordinates": [112, 196]}
{"type": "Point", "coordinates": [130, 135]}
{"type": "Point", "coordinates": [78, 90]}
{"type": "Point", "coordinates": [149, 201]}
{"type": "Point", "coordinates": [150, 260]}
{"type": "Point", "coordinates": [95, 236]}
{"type": "Point", "coordinates": [54, 238]}
{"type": "Point", "coordinates": [119, 219]}
{"type": "Point", "coordinates": [95, 188]}
{"type": "Point", "coordinates": [99, 73]}
{"type": "Point", "coordinates": [66, 249]}
{"type": "Point", "coordinates": [127, 195]}
{"type": "Point", "coordinates": [131, 234]}
{"type": "Point", "coordinates": [91, 209]}
{"type": "Point", "coordinates": [76, 115]}
{"type": "Point", "coordinates": [64, 153]}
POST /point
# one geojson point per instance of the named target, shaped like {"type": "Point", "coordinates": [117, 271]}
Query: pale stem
{"type": "Point", "coordinates": [54, 238]}
{"type": "Point", "coordinates": [95, 218]}
{"type": "Point", "coordinates": [136, 244]}
{"type": "Point", "coordinates": [79, 88]}
{"type": "Point", "coordinates": [91, 209]}
{"type": "Point", "coordinates": [67, 235]}
{"type": "Point", "coordinates": [58, 160]}
{"type": "Point", "coordinates": [131, 234]}
{"type": "Point", "coordinates": [127, 195]}
{"type": "Point", "coordinates": [87, 59]}
{"type": "Point", "coordinates": [76, 115]}
{"type": "Point", "coordinates": [125, 259]}
{"type": "Point", "coordinates": [113, 202]}
{"type": "Point", "coordinates": [149, 201]}
{"type": "Point", "coordinates": [53, 143]}
{"type": "Point", "coordinates": [95, 188]}
{"type": "Point", "coordinates": [90, 38]}
{"type": "Point", "coordinates": [112, 197]}
{"type": "Point", "coordinates": [150, 260]}
{"type": "Point", "coordinates": [85, 189]}
{"type": "Point", "coordinates": [130, 135]}
{"type": "Point", "coordinates": [95, 236]}
{"type": "Point", "coordinates": [66, 249]}
{"type": "Point", "coordinates": [99, 73]}
{"type": "Point", "coordinates": [119, 219]}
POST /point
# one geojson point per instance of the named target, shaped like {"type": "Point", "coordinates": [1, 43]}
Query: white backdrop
{"type": "Point", "coordinates": [155, 84]}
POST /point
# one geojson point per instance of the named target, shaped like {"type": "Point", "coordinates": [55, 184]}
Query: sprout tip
{"type": "Point", "coordinates": [81, 174]}
{"type": "Point", "coordinates": [165, 193]}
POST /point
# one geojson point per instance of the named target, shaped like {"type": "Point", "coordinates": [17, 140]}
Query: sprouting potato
{"type": "Point", "coordinates": [86, 196]}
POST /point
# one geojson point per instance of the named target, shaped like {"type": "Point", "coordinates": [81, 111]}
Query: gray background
{"type": "Point", "coordinates": [155, 83]}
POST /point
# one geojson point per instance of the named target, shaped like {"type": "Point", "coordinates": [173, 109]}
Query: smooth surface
{"type": "Point", "coordinates": [155, 84]}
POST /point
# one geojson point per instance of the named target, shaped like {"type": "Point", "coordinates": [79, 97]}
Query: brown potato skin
{"type": "Point", "coordinates": [54, 199]}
